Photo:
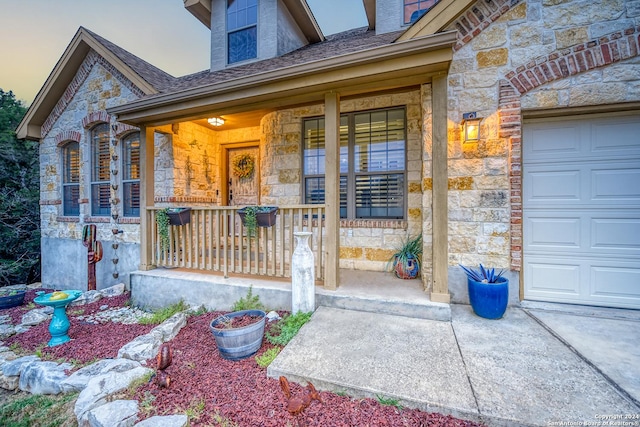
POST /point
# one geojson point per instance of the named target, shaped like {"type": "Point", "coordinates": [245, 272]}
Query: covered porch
{"type": "Point", "coordinates": [265, 113]}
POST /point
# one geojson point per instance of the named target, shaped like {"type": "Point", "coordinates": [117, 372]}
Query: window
{"type": "Point", "coordinates": [242, 30]}
{"type": "Point", "coordinates": [131, 174]}
{"type": "Point", "coordinates": [372, 163]}
{"type": "Point", "coordinates": [71, 179]}
{"type": "Point", "coordinates": [414, 9]}
{"type": "Point", "coordinates": [100, 159]}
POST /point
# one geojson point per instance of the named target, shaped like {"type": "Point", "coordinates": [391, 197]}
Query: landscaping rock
{"type": "Point", "coordinates": [170, 327]}
{"type": "Point", "coordinates": [165, 421]}
{"type": "Point", "coordinates": [14, 288]}
{"type": "Point", "coordinates": [79, 379]}
{"type": "Point", "coordinates": [119, 413]}
{"type": "Point", "coordinates": [141, 348]}
{"type": "Point", "coordinates": [14, 368]}
{"type": "Point", "coordinates": [87, 298]}
{"type": "Point", "coordinates": [146, 346]}
{"type": "Point", "coordinates": [4, 319]}
{"type": "Point", "coordinates": [9, 383]}
{"type": "Point", "coordinates": [36, 316]}
{"type": "Point", "coordinates": [43, 377]}
{"type": "Point", "coordinates": [99, 388]}
{"type": "Point", "coordinates": [6, 331]}
{"type": "Point", "coordinates": [113, 291]}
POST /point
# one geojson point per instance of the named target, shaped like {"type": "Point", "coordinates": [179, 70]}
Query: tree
{"type": "Point", "coordinates": [19, 198]}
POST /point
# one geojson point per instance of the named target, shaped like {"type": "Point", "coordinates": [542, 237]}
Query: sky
{"type": "Point", "coordinates": [35, 33]}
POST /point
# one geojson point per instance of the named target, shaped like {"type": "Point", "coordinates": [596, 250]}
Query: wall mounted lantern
{"type": "Point", "coordinates": [471, 123]}
{"type": "Point", "coordinates": [216, 121]}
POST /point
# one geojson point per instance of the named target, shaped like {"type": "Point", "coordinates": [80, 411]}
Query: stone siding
{"type": "Point", "coordinates": [538, 54]}
{"type": "Point", "coordinates": [364, 245]}
{"type": "Point", "coordinates": [96, 86]}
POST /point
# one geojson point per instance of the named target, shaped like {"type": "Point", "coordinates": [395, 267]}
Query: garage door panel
{"type": "Point", "coordinates": [551, 277]}
{"type": "Point", "coordinates": [581, 210]}
{"type": "Point", "coordinates": [556, 185]}
{"type": "Point", "coordinates": [559, 139]}
{"type": "Point", "coordinates": [548, 233]}
{"type": "Point", "coordinates": [617, 283]}
{"type": "Point", "coordinates": [616, 234]}
{"type": "Point", "coordinates": [620, 183]}
{"type": "Point", "coordinates": [616, 136]}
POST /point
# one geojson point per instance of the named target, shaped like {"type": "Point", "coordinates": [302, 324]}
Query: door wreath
{"type": "Point", "coordinates": [243, 165]}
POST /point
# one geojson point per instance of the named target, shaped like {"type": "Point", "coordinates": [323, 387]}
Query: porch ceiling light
{"type": "Point", "coordinates": [471, 123]}
{"type": "Point", "coordinates": [216, 121]}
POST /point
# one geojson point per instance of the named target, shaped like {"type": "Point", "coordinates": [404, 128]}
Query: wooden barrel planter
{"type": "Point", "coordinates": [241, 342]}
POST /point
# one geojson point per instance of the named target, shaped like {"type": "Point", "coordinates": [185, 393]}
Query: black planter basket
{"type": "Point", "coordinates": [179, 216]}
{"type": "Point", "coordinates": [265, 218]}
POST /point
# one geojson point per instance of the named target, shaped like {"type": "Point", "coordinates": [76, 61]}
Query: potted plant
{"type": "Point", "coordinates": [488, 291]}
{"type": "Point", "coordinates": [238, 334]}
{"type": "Point", "coordinates": [257, 216]}
{"type": "Point", "coordinates": [405, 262]}
{"type": "Point", "coordinates": [11, 297]}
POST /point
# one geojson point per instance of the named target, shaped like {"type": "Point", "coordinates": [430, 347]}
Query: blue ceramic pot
{"type": "Point", "coordinates": [489, 300]}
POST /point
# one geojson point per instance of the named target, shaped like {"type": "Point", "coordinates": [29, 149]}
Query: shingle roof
{"type": "Point", "coordinates": [335, 45]}
{"type": "Point", "coordinates": [157, 78]}
{"type": "Point", "coordinates": [338, 44]}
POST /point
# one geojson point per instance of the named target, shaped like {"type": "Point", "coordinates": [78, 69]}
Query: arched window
{"type": "Point", "coordinates": [71, 179]}
{"type": "Point", "coordinates": [131, 174]}
{"type": "Point", "coordinates": [100, 161]}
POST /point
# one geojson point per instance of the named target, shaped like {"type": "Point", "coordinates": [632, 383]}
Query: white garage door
{"type": "Point", "coordinates": [581, 210]}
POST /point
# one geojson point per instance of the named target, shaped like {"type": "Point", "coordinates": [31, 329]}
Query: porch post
{"type": "Point", "coordinates": [332, 189]}
{"type": "Point", "coordinates": [146, 195]}
{"type": "Point", "coordinates": [440, 288]}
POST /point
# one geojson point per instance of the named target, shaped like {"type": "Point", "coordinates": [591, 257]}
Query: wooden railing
{"type": "Point", "coordinates": [216, 240]}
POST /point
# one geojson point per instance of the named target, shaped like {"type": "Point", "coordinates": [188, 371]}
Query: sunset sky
{"type": "Point", "coordinates": [35, 33]}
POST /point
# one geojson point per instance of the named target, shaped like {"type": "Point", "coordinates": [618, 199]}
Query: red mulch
{"type": "Point", "coordinates": [236, 391]}
{"type": "Point", "coordinates": [88, 341]}
{"type": "Point", "coordinates": [241, 392]}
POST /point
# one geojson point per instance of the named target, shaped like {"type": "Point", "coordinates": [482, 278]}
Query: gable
{"type": "Point", "coordinates": [66, 70]}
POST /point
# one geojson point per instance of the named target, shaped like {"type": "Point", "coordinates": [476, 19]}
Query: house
{"type": "Point", "coordinates": [505, 132]}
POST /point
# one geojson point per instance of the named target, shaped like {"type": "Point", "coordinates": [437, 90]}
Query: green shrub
{"type": "Point", "coordinates": [250, 302]}
{"type": "Point", "coordinates": [287, 328]}
{"type": "Point", "coordinates": [163, 314]}
{"type": "Point", "coordinates": [267, 357]}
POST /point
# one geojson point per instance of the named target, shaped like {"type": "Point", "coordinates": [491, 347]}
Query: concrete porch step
{"type": "Point", "coordinates": [366, 291]}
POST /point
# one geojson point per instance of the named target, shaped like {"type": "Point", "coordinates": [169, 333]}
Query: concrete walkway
{"type": "Point", "coordinates": [533, 367]}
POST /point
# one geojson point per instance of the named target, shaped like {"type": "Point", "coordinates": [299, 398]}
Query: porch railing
{"type": "Point", "coordinates": [216, 240]}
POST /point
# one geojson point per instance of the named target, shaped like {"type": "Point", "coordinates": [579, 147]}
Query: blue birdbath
{"type": "Point", "coordinates": [59, 325]}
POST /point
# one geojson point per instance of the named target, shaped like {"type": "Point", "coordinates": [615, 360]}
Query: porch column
{"type": "Point", "coordinates": [332, 189]}
{"type": "Point", "coordinates": [440, 288]}
{"type": "Point", "coordinates": [146, 195]}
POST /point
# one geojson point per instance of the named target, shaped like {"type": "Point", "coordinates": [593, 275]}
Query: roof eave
{"type": "Point", "coordinates": [436, 19]}
{"type": "Point", "coordinates": [139, 112]}
{"type": "Point", "coordinates": [201, 9]}
{"type": "Point", "coordinates": [370, 11]}
{"type": "Point", "coordinates": [303, 16]}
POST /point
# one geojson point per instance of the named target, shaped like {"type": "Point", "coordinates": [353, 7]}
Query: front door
{"type": "Point", "coordinates": [243, 176]}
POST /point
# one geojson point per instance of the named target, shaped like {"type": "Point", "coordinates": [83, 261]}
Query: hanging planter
{"type": "Point", "coordinates": [257, 216]}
